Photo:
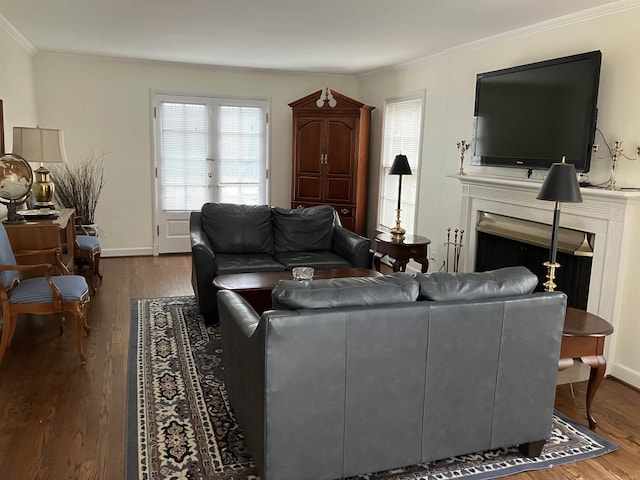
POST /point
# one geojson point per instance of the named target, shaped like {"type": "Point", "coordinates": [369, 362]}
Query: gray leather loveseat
{"type": "Point", "coordinates": [357, 375]}
{"type": "Point", "coordinates": [229, 238]}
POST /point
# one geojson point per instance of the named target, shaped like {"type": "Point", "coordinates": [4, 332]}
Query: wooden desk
{"type": "Point", "coordinates": [42, 234]}
{"type": "Point", "coordinates": [583, 338]}
{"type": "Point", "coordinates": [413, 247]}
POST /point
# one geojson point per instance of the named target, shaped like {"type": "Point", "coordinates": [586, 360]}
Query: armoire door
{"type": "Point", "coordinates": [340, 160]}
{"type": "Point", "coordinates": [309, 156]}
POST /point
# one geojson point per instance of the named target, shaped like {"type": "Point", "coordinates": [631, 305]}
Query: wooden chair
{"type": "Point", "coordinates": [42, 295]}
{"type": "Point", "coordinates": [87, 252]}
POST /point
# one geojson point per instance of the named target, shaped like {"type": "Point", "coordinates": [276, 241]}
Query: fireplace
{"type": "Point", "coordinates": [607, 223]}
{"type": "Point", "coordinates": [505, 242]}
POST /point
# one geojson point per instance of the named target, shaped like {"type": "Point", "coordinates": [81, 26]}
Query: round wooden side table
{"type": "Point", "coordinates": [412, 247]}
{"type": "Point", "coordinates": [583, 338]}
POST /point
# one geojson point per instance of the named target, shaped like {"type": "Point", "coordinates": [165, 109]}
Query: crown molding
{"type": "Point", "coordinates": [17, 36]}
{"type": "Point", "coordinates": [566, 20]}
{"type": "Point", "coordinates": [570, 19]}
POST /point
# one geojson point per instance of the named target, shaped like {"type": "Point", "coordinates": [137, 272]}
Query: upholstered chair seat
{"type": "Point", "coordinates": [37, 290]}
{"type": "Point", "coordinates": [87, 252]}
{"type": "Point", "coordinates": [42, 293]}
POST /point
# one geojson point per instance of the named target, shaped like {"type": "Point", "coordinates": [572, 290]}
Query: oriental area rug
{"type": "Point", "coordinates": [180, 423]}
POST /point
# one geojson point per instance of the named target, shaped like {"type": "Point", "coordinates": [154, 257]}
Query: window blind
{"type": "Point", "coordinates": [241, 147]}
{"type": "Point", "coordinates": [402, 134]}
{"type": "Point", "coordinates": [184, 149]}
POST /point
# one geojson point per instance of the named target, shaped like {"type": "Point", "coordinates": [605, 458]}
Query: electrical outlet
{"type": "Point", "coordinates": [433, 257]}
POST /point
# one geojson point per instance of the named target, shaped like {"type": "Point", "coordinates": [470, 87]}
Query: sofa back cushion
{"type": "Point", "coordinates": [303, 229]}
{"type": "Point", "coordinates": [345, 292]}
{"type": "Point", "coordinates": [238, 228]}
{"type": "Point", "coordinates": [503, 282]}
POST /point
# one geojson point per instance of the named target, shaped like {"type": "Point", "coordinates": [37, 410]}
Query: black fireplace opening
{"type": "Point", "coordinates": [572, 278]}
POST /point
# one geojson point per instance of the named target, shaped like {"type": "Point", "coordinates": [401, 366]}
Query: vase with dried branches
{"type": "Point", "coordinates": [79, 185]}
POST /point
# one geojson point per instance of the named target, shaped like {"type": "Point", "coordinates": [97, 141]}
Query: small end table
{"type": "Point", "coordinates": [583, 338]}
{"type": "Point", "coordinates": [412, 247]}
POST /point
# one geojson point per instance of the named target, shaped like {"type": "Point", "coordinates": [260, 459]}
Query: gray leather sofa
{"type": "Point", "coordinates": [357, 375]}
{"type": "Point", "coordinates": [229, 238]}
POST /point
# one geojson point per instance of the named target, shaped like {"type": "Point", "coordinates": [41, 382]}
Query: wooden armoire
{"type": "Point", "coordinates": [331, 155]}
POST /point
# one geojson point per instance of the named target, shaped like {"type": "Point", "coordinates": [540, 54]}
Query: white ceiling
{"type": "Point", "coordinates": [323, 36]}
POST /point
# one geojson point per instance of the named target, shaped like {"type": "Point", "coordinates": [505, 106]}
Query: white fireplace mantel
{"type": "Point", "coordinates": [614, 218]}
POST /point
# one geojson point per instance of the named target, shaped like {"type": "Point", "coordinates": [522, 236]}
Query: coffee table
{"type": "Point", "coordinates": [256, 287]}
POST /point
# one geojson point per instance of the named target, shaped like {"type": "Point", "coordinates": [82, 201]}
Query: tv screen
{"type": "Point", "coordinates": [532, 115]}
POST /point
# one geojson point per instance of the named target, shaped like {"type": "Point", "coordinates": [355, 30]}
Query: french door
{"type": "Point", "coordinates": [206, 150]}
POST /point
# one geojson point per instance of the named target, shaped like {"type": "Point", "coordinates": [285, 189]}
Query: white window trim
{"type": "Point", "coordinates": [417, 95]}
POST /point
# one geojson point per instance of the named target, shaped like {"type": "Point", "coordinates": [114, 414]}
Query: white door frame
{"type": "Point", "coordinates": [155, 95]}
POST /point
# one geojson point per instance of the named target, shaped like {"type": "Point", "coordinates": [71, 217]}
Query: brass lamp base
{"type": "Point", "coordinates": [43, 189]}
{"type": "Point", "coordinates": [397, 232]}
{"type": "Point", "coordinates": [549, 285]}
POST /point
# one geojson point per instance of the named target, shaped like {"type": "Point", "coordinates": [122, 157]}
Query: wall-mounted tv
{"type": "Point", "coordinates": [532, 115]}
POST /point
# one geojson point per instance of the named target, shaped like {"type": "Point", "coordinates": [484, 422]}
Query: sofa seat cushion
{"type": "Point", "coordinates": [247, 263]}
{"type": "Point", "coordinates": [238, 228]}
{"type": "Point", "coordinates": [503, 282]}
{"type": "Point", "coordinates": [345, 292]}
{"type": "Point", "coordinates": [303, 229]}
{"type": "Point", "coordinates": [321, 259]}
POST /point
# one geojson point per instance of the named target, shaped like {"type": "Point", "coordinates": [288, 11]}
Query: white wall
{"type": "Point", "coordinates": [16, 86]}
{"type": "Point", "coordinates": [16, 83]}
{"type": "Point", "coordinates": [104, 104]}
{"type": "Point", "coordinates": [449, 80]}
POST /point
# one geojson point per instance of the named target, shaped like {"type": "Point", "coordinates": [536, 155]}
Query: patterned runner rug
{"type": "Point", "coordinates": [180, 424]}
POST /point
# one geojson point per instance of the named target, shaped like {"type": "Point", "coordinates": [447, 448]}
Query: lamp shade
{"type": "Point", "coordinates": [43, 145]}
{"type": "Point", "coordinates": [561, 184]}
{"type": "Point", "coordinates": [400, 166]}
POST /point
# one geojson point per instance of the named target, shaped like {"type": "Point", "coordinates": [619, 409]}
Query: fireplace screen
{"type": "Point", "coordinates": [506, 242]}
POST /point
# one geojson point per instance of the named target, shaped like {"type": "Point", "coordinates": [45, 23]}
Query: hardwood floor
{"type": "Point", "coordinates": [62, 420]}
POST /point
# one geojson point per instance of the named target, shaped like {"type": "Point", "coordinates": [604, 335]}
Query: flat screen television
{"type": "Point", "coordinates": [532, 115]}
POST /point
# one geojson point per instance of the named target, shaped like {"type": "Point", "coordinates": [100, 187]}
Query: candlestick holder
{"type": "Point", "coordinates": [463, 146]}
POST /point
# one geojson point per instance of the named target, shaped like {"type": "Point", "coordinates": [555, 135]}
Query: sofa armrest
{"type": "Point", "coordinates": [351, 246]}
{"type": "Point", "coordinates": [243, 358]}
{"type": "Point", "coordinates": [203, 255]}
{"type": "Point", "coordinates": [203, 267]}
{"type": "Point", "coordinates": [236, 309]}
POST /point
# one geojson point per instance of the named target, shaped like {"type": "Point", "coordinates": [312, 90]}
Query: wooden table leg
{"type": "Point", "coordinates": [400, 264]}
{"type": "Point", "coordinates": [598, 366]}
{"type": "Point", "coordinates": [376, 261]}
{"type": "Point", "coordinates": [424, 262]}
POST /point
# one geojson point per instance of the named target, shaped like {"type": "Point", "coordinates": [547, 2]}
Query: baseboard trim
{"type": "Point", "coordinates": [626, 375]}
{"type": "Point", "coordinates": [127, 252]}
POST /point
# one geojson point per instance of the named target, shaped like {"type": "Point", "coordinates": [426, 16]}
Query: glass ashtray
{"type": "Point", "coordinates": [302, 274]}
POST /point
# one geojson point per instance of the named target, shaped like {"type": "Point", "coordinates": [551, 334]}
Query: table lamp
{"type": "Point", "coordinates": [560, 185]}
{"type": "Point", "coordinates": [400, 167]}
{"type": "Point", "coordinates": [40, 145]}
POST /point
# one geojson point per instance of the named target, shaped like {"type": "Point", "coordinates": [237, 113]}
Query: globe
{"type": "Point", "coordinates": [16, 179]}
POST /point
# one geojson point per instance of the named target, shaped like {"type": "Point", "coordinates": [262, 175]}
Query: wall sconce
{"type": "Point", "coordinates": [400, 167]}
{"type": "Point", "coordinates": [560, 185]}
{"type": "Point", "coordinates": [40, 145]}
